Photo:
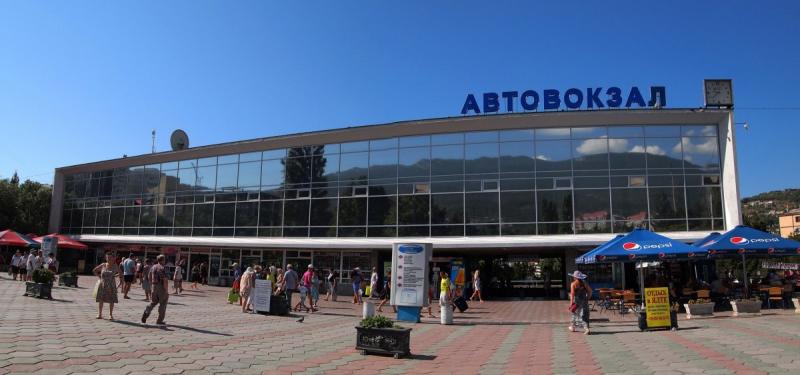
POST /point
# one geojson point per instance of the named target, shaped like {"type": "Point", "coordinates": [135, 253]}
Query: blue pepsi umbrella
{"type": "Point", "coordinates": [643, 245]}
{"type": "Point", "coordinates": [582, 259]}
{"type": "Point", "coordinates": [711, 237]}
{"type": "Point", "coordinates": [750, 241]}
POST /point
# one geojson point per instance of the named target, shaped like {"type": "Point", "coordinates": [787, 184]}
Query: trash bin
{"type": "Point", "coordinates": [446, 313]}
{"type": "Point", "coordinates": [368, 310]}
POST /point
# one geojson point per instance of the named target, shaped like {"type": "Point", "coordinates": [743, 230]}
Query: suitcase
{"type": "Point", "coordinates": [278, 305]}
{"type": "Point", "coordinates": [461, 304]}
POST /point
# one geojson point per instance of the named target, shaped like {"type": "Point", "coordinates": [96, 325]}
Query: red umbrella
{"type": "Point", "coordinates": [64, 242]}
{"type": "Point", "coordinates": [9, 237]}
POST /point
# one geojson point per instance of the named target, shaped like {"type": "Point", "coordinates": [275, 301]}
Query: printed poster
{"type": "Point", "coordinates": [657, 307]}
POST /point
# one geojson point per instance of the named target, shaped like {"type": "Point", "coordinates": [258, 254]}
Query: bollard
{"type": "Point", "coordinates": [369, 309]}
{"type": "Point", "coordinates": [447, 315]}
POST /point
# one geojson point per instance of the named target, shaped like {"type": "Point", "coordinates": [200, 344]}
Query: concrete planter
{"type": "Point", "coordinates": [393, 341]}
{"type": "Point", "coordinates": [796, 302]}
{"type": "Point", "coordinates": [38, 290]}
{"type": "Point", "coordinates": [746, 307]}
{"type": "Point", "coordinates": [699, 309]}
{"type": "Point", "coordinates": [65, 280]}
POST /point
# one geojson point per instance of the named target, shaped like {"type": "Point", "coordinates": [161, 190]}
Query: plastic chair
{"type": "Point", "coordinates": [775, 294]}
{"type": "Point", "coordinates": [628, 300]}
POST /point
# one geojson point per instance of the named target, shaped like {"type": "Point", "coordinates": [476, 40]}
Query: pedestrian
{"type": "Point", "coordinates": [30, 262]}
{"type": "Point", "coordinates": [203, 273]}
{"type": "Point", "coordinates": [355, 277]}
{"type": "Point", "coordinates": [290, 282]}
{"type": "Point", "coordinates": [430, 301]}
{"type": "Point", "coordinates": [305, 291]}
{"type": "Point", "coordinates": [315, 284]}
{"type": "Point", "coordinates": [107, 289]}
{"type": "Point", "coordinates": [177, 278]}
{"type": "Point", "coordinates": [331, 282]}
{"type": "Point", "coordinates": [159, 294]}
{"type": "Point", "coordinates": [476, 284]}
{"type": "Point", "coordinates": [373, 283]}
{"type": "Point", "coordinates": [52, 263]}
{"type": "Point", "coordinates": [128, 274]}
{"type": "Point", "coordinates": [579, 293]}
{"type": "Point", "coordinates": [280, 285]}
{"type": "Point", "coordinates": [39, 260]}
{"type": "Point", "coordinates": [444, 289]}
{"type": "Point", "coordinates": [386, 293]}
{"type": "Point", "coordinates": [246, 284]}
{"type": "Point", "coordinates": [145, 279]}
{"type": "Point", "coordinates": [271, 276]}
{"type": "Point", "coordinates": [139, 267]}
{"type": "Point", "coordinates": [195, 275]}
{"type": "Point", "coordinates": [17, 264]}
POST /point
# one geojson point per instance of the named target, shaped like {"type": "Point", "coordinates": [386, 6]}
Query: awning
{"type": "Point", "coordinates": [9, 237]}
{"type": "Point", "coordinates": [751, 241]}
{"type": "Point", "coordinates": [643, 245]}
{"type": "Point", "coordinates": [64, 242]}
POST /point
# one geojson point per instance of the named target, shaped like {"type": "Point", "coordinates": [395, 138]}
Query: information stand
{"type": "Point", "coordinates": [262, 293]}
{"type": "Point", "coordinates": [410, 268]}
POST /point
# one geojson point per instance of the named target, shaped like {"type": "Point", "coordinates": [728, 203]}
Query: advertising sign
{"type": "Point", "coordinates": [262, 293]}
{"type": "Point", "coordinates": [657, 307]}
{"type": "Point", "coordinates": [410, 268]}
{"type": "Point", "coordinates": [50, 245]}
{"type": "Point", "coordinates": [457, 276]}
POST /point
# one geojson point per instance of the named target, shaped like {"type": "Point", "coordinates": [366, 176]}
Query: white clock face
{"type": "Point", "coordinates": [719, 93]}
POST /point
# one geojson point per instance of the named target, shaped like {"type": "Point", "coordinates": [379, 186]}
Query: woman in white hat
{"type": "Point", "coordinates": [579, 294]}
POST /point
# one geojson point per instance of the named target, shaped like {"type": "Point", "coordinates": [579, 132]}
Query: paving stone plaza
{"type": "Point", "coordinates": [204, 335]}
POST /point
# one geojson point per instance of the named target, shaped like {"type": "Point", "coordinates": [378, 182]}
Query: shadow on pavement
{"type": "Point", "coordinates": [168, 326]}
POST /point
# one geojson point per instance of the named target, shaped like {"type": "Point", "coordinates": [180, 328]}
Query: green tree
{"type": "Point", "coordinates": [24, 207]}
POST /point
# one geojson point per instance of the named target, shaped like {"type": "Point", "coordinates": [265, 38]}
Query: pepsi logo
{"type": "Point", "coordinates": [739, 241]}
{"type": "Point", "coordinates": [662, 255]}
{"type": "Point", "coordinates": [631, 256]}
{"type": "Point", "coordinates": [770, 250]}
{"type": "Point", "coordinates": [690, 255]}
{"type": "Point", "coordinates": [631, 246]}
{"type": "Point", "coordinates": [740, 251]}
{"type": "Point", "coordinates": [602, 257]}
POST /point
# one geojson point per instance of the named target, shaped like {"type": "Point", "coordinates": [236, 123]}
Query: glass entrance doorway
{"type": "Point", "coordinates": [298, 259]}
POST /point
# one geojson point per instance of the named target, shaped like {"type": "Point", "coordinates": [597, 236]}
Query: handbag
{"type": "Point", "coordinates": [573, 307]}
{"type": "Point", "coordinates": [368, 291]}
{"type": "Point", "coordinates": [233, 296]}
{"type": "Point", "coordinates": [96, 289]}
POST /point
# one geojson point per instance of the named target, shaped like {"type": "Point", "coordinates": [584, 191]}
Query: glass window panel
{"type": "Point", "coordinates": [413, 141]}
{"type": "Point", "coordinates": [518, 229]}
{"type": "Point", "coordinates": [380, 144]}
{"type": "Point", "coordinates": [591, 182]}
{"type": "Point", "coordinates": [704, 202]}
{"type": "Point", "coordinates": [664, 153]}
{"type": "Point", "coordinates": [224, 214]}
{"type": "Point", "coordinates": [169, 165]}
{"type": "Point", "coordinates": [207, 161]}
{"type": "Point", "coordinates": [148, 217]}
{"type": "Point", "coordinates": [186, 179]}
{"type": "Point", "coordinates": [117, 217]}
{"type": "Point", "coordinates": [323, 212]}
{"type": "Point", "coordinates": [295, 212]}
{"type": "Point", "coordinates": [295, 152]}
{"type": "Point", "coordinates": [131, 216]}
{"type": "Point", "coordinates": [89, 217]}
{"type": "Point", "coordinates": [447, 139]}
{"type": "Point", "coordinates": [414, 162]}
{"type": "Point", "coordinates": [481, 158]}
{"type": "Point", "coordinates": [554, 205]}
{"type": "Point", "coordinates": [225, 159]}
{"type": "Point", "coordinates": [662, 131]}
{"type": "Point", "coordinates": [447, 160]}
{"type": "Point", "coordinates": [450, 186]}
{"type": "Point", "coordinates": [381, 231]}
{"type": "Point", "coordinates": [699, 130]}
{"type": "Point", "coordinates": [553, 133]}
{"type": "Point", "coordinates": [518, 206]}
{"type": "Point", "coordinates": [245, 232]}
{"type": "Point", "coordinates": [135, 181]}
{"type": "Point", "coordinates": [582, 227]}
{"type": "Point", "coordinates": [274, 154]}
{"type": "Point", "coordinates": [589, 132]}
{"type": "Point", "coordinates": [480, 137]}
{"type": "Point", "coordinates": [250, 174]}
{"type": "Point", "coordinates": [447, 208]}
{"type": "Point", "coordinates": [246, 214]}
{"type": "Point", "coordinates": [226, 177]}
{"type": "Point", "coordinates": [668, 225]}
{"type": "Point", "coordinates": [413, 231]}
{"type": "Point", "coordinates": [518, 184]}
{"type": "Point", "coordinates": [517, 157]}
{"type": "Point", "coordinates": [382, 210]}
{"type": "Point", "coordinates": [271, 213]}
{"type": "Point", "coordinates": [516, 135]}
{"type": "Point", "coordinates": [700, 152]}
{"type": "Point", "coordinates": [668, 180]}
{"type": "Point", "coordinates": [383, 164]}
{"type": "Point", "coordinates": [353, 232]}
{"type": "Point", "coordinates": [447, 230]}
{"type": "Point", "coordinates": [590, 154]}
{"type": "Point", "coordinates": [203, 215]}
{"type": "Point", "coordinates": [481, 208]}
{"type": "Point", "coordinates": [165, 215]}
{"type": "Point", "coordinates": [592, 205]}
{"type": "Point", "coordinates": [413, 209]}
{"type": "Point", "coordinates": [700, 225]}
{"type": "Point", "coordinates": [325, 168]}
{"type": "Point", "coordinates": [272, 172]}
{"type": "Point", "coordinates": [298, 170]}
{"type": "Point", "coordinates": [250, 156]}
{"type": "Point", "coordinates": [626, 153]}
{"type": "Point", "coordinates": [223, 232]}
{"type": "Point", "coordinates": [629, 204]}
{"type": "Point", "coordinates": [354, 168]}
{"type": "Point", "coordinates": [353, 211]}
{"type": "Point", "coordinates": [102, 217]}
{"type": "Point", "coordinates": [482, 230]}
{"type": "Point", "coordinates": [355, 146]}
{"type": "Point", "coordinates": [321, 232]}
{"type": "Point", "coordinates": [555, 228]}
{"type": "Point", "coordinates": [206, 178]}
{"type": "Point", "coordinates": [553, 155]}
{"type": "Point", "coordinates": [625, 131]}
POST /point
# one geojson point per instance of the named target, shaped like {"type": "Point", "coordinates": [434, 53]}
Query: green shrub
{"type": "Point", "coordinates": [43, 276]}
{"type": "Point", "coordinates": [377, 321]}
{"type": "Point", "coordinates": [68, 274]}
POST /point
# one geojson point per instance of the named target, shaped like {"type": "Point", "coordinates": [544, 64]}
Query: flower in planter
{"type": "Point", "coordinates": [377, 321]}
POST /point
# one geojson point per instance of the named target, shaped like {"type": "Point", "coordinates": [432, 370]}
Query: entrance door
{"type": "Point", "coordinates": [298, 259]}
{"type": "Point", "coordinates": [197, 260]}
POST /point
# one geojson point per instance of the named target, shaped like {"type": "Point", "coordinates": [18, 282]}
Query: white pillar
{"type": "Point", "coordinates": [730, 172]}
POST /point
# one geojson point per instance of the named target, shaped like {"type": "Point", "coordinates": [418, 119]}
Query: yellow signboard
{"type": "Point", "coordinates": [657, 307]}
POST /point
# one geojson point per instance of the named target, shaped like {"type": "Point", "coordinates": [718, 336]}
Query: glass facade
{"type": "Point", "coordinates": [542, 181]}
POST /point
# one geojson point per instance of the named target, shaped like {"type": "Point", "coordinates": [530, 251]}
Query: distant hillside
{"type": "Point", "coordinates": [762, 210]}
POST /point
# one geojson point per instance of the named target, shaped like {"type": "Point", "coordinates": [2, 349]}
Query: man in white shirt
{"type": "Point", "coordinates": [30, 265]}
{"type": "Point", "coordinates": [373, 283]}
{"type": "Point", "coordinates": [16, 263]}
{"type": "Point", "coordinates": [52, 263]}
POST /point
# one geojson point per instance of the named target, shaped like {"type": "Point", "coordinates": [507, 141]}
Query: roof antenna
{"type": "Point", "coordinates": [154, 141]}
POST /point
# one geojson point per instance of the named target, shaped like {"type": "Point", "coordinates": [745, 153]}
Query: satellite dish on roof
{"type": "Point", "coordinates": [179, 140]}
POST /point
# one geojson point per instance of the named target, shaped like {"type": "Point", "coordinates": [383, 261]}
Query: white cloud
{"type": "Point", "coordinates": [593, 146]}
{"type": "Point", "coordinates": [652, 150]}
{"type": "Point", "coordinates": [708, 146]}
{"type": "Point", "coordinates": [617, 145]}
{"type": "Point", "coordinates": [542, 157]}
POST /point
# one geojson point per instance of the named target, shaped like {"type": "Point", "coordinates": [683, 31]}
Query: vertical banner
{"type": "Point", "coordinates": [410, 268]}
{"type": "Point", "coordinates": [657, 307]}
{"type": "Point", "coordinates": [50, 245]}
{"type": "Point", "coordinates": [262, 293]}
{"type": "Point", "coordinates": [457, 273]}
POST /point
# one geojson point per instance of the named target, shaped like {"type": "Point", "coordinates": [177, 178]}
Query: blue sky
{"type": "Point", "coordinates": [84, 81]}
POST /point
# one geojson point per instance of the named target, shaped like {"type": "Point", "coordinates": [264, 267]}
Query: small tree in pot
{"type": "Point", "coordinates": [378, 334]}
{"type": "Point", "coordinates": [42, 284]}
